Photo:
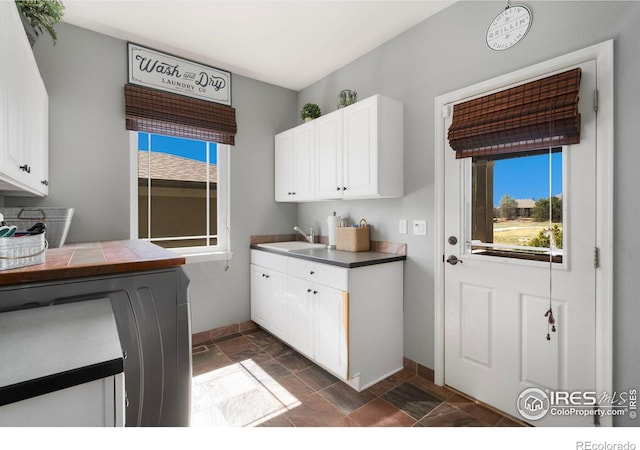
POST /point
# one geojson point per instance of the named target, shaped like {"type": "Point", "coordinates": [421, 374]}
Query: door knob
{"type": "Point", "coordinates": [453, 260]}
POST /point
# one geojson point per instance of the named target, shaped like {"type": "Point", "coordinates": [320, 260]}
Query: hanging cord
{"type": "Point", "coordinates": [551, 321]}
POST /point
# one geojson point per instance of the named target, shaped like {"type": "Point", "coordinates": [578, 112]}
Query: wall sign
{"type": "Point", "coordinates": [157, 70]}
{"type": "Point", "coordinates": [509, 27]}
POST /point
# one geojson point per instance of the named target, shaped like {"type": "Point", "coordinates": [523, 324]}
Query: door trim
{"type": "Point", "coordinates": [603, 54]}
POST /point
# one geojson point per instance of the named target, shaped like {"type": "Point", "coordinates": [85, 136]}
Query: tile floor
{"type": "Point", "coordinates": [252, 379]}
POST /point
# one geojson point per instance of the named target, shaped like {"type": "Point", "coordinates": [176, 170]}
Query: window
{"type": "Point", "coordinates": [509, 208]}
{"type": "Point", "coordinates": [180, 193]}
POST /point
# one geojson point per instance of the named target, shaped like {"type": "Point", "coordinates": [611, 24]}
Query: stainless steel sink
{"type": "Point", "coordinates": [290, 246]}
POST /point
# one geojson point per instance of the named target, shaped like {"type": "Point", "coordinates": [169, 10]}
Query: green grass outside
{"type": "Point", "coordinates": [517, 232]}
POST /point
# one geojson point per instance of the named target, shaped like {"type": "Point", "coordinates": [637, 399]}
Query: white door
{"type": "Point", "coordinates": [283, 170]}
{"type": "Point", "coordinates": [304, 142]}
{"type": "Point", "coordinates": [361, 148]}
{"type": "Point", "coordinates": [329, 178]}
{"type": "Point", "coordinates": [300, 309]}
{"type": "Point", "coordinates": [495, 324]}
{"type": "Point", "coordinates": [331, 328]}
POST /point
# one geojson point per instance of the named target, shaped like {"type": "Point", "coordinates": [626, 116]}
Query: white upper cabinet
{"type": "Point", "coordinates": [329, 175]}
{"type": "Point", "coordinates": [294, 164]}
{"type": "Point", "coordinates": [284, 166]}
{"type": "Point", "coordinates": [24, 112]}
{"type": "Point", "coordinates": [358, 152]}
{"type": "Point", "coordinates": [373, 149]}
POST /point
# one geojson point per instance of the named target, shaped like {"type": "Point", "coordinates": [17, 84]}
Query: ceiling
{"type": "Point", "coordinates": [286, 43]}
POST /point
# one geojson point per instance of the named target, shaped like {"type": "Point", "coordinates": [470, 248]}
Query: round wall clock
{"type": "Point", "coordinates": [509, 27]}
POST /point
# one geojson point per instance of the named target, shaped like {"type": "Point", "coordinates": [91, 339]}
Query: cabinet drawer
{"type": "Point", "coordinates": [269, 260]}
{"type": "Point", "coordinates": [325, 274]}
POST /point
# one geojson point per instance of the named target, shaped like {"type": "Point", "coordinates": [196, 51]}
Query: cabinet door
{"type": "Point", "coordinates": [331, 330]}
{"type": "Point", "coordinates": [361, 148]}
{"type": "Point", "coordinates": [304, 162]}
{"type": "Point", "coordinates": [259, 295]}
{"type": "Point", "coordinates": [12, 157]}
{"type": "Point", "coordinates": [269, 300]}
{"type": "Point", "coordinates": [329, 179]}
{"type": "Point", "coordinates": [300, 295]}
{"type": "Point", "coordinates": [284, 167]}
{"type": "Point", "coordinates": [276, 311]}
{"type": "Point", "coordinates": [39, 158]}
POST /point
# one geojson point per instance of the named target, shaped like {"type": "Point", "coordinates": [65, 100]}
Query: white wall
{"type": "Point", "coordinates": [89, 162]}
{"type": "Point", "coordinates": [448, 52]}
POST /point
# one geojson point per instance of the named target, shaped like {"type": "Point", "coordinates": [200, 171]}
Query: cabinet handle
{"type": "Point", "coordinates": [293, 193]}
{"type": "Point", "coordinates": [288, 193]}
{"type": "Point", "coordinates": [267, 276]}
{"type": "Point", "coordinates": [308, 290]}
{"type": "Point", "coordinates": [311, 272]}
{"type": "Point", "coordinates": [337, 188]}
{"type": "Point", "coordinates": [315, 292]}
{"type": "Point", "coordinates": [124, 354]}
{"type": "Point", "coordinates": [45, 182]}
{"type": "Point", "coordinates": [25, 168]}
{"type": "Point", "coordinates": [344, 188]}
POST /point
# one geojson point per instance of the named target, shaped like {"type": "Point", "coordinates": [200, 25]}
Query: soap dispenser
{"type": "Point", "coordinates": [332, 221]}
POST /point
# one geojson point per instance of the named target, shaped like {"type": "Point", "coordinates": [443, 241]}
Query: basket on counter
{"type": "Point", "coordinates": [21, 251]}
{"type": "Point", "coordinates": [57, 220]}
{"type": "Point", "coordinates": [353, 239]}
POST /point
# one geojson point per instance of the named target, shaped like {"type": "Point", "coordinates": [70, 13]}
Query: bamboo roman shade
{"type": "Point", "coordinates": [531, 116]}
{"type": "Point", "coordinates": [160, 112]}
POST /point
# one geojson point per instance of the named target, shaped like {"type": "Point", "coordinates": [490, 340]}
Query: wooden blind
{"type": "Point", "coordinates": [160, 112]}
{"type": "Point", "coordinates": [531, 116]}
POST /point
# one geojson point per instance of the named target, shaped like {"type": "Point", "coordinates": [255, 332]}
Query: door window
{"type": "Point", "coordinates": [511, 200]}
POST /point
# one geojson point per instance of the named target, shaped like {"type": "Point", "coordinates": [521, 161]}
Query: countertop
{"type": "Point", "coordinates": [94, 259]}
{"type": "Point", "coordinates": [55, 347]}
{"type": "Point", "coordinates": [338, 258]}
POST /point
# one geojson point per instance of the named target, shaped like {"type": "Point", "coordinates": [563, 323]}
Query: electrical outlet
{"type": "Point", "coordinates": [402, 226]}
{"type": "Point", "coordinates": [420, 227]}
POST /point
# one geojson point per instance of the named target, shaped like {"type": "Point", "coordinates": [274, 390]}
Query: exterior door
{"type": "Point", "coordinates": [495, 323]}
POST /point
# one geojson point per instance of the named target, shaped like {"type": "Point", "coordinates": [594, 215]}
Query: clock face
{"type": "Point", "coordinates": [509, 27]}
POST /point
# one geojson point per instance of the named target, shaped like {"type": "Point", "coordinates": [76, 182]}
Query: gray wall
{"type": "Point", "coordinates": [448, 52]}
{"type": "Point", "coordinates": [89, 162]}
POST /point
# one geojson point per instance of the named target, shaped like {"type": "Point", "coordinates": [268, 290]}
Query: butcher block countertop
{"type": "Point", "coordinates": [94, 259]}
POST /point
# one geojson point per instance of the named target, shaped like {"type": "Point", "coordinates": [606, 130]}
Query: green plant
{"type": "Point", "coordinates": [310, 110]}
{"type": "Point", "coordinates": [42, 15]}
{"type": "Point", "coordinates": [540, 211]}
{"type": "Point", "coordinates": [542, 239]}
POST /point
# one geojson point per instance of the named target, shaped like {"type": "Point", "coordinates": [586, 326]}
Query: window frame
{"type": "Point", "coordinates": [513, 257]}
{"type": "Point", "coordinates": [219, 252]}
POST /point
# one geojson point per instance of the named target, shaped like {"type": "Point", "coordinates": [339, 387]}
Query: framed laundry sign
{"type": "Point", "coordinates": [151, 68]}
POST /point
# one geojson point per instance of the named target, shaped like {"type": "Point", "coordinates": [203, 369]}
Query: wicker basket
{"type": "Point", "coordinates": [22, 251]}
{"type": "Point", "coordinates": [353, 239]}
{"type": "Point", "coordinates": [57, 220]}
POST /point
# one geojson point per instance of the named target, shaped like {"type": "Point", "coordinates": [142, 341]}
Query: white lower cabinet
{"type": "Point", "coordinates": [300, 315]}
{"type": "Point", "coordinates": [269, 300]}
{"type": "Point", "coordinates": [331, 330]}
{"type": "Point", "coordinates": [348, 321]}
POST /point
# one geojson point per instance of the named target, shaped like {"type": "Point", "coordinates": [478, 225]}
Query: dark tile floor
{"type": "Point", "coordinates": [253, 379]}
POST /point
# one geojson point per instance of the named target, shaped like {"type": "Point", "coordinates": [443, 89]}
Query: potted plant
{"type": "Point", "coordinates": [310, 111]}
{"type": "Point", "coordinates": [39, 16]}
{"type": "Point", "coordinates": [347, 97]}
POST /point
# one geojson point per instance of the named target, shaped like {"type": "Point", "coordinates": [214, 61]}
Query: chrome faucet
{"type": "Point", "coordinates": [312, 234]}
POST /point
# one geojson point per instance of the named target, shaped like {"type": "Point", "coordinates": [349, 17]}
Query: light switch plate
{"type": "Point", "coordinates": [420, 227]}
{"type": "Point", "coordinates": [402, 226]}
